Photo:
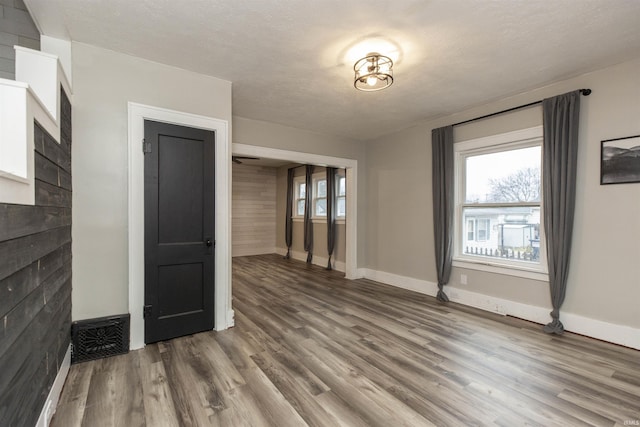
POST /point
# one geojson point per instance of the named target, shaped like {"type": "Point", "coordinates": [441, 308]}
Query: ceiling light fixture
{"type": "Point", "coordinates": [373, 72]}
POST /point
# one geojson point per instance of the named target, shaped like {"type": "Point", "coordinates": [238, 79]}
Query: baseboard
{"type": "Point", "coordinates": [605, 331]}
{"type": "Point", "coordinates": [51, 403]}
{"type": "Point", "coordinates": [231, 319]}
{"type": "Point", "coordinates": [404, 282]}
{"type": "Point", "coordinates": [317, 260]}
{"type": "Point", "coordinates": [252, 251]}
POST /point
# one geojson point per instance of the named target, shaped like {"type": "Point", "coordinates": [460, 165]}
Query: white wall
{"type": "Point", "coordinates": [104, 81]}
{"type": "Point", "coordinates": [604, 280]}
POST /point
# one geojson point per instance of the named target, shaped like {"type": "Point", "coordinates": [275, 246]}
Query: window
{"type": "Point", "coordinates": [319, 196]}
{"type": "Point", "coordinates": [341, 203]}
{"type": "Point", "coordinates": [471, 226]}
{"type": "Point", "coordinates": [299, 191]}
{"type": "Point", "coordinates": [498, 201]}
{"type": "Point", "coordinates": [483, 225]}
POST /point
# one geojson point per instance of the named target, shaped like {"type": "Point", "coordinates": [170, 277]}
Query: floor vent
{"type": "Point", "coordinates": [97, 338]}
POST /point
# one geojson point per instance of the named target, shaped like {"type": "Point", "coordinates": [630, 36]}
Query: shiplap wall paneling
{"type": "Point", "coordinates": [35, 281]}
{"type": "Point", "coordinates": [254, 210]}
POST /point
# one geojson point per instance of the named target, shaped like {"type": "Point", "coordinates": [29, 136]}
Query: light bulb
{"type": "Point", "coordinates": [372, 80]}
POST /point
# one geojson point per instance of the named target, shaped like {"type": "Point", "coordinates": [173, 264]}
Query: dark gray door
{"type": "Point", "coordinates": [179, 230]}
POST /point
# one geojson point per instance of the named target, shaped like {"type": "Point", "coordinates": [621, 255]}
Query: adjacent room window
{"type": "Point", "coordinates": [320, 196]}
{"type": "Point", "coordinates": [498, 201]}
{"type": "Point", "coordinates": [341, 193]}
{"type": "Point", "coordinates": [300, 192]}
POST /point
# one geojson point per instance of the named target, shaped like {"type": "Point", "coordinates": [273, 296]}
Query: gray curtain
{"type": "Point", "coordinates": [331, 213]}
{"type": "Point", "coordinates": [288, 228]}
{"type": "Point", "coordinates": [308, 212]}
{"type": "Point", "coordinates": [443, 203]}
{"type": "Point", "coordinates": [560, 152]}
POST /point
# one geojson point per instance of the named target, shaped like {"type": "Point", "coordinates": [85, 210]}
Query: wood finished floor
{"type": "Point", "coordinates": [310, 348]}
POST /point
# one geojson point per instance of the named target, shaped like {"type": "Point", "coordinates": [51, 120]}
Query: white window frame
{"type": "Point", "coordinates": [341, 175]}
{"type": "Point", "coordinates": [316, 178]}
{"type": "Point", "coordinates": [321, 176]}
{"type": "Point", "coordinates": [503, 142]}
{"type": "Point", "coordinates": [296, 195]}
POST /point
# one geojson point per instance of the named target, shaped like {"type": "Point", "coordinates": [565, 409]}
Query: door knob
{"type": "Point", "coordinates": [208, 242]}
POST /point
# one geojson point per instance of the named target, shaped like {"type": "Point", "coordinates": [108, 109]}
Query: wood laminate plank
{"type": "Point", "coordinates": [311, 348]}
{"type": "Point", "coordinates": [158, 404]}
{"type": "Point", "coordinates": [73, 400]}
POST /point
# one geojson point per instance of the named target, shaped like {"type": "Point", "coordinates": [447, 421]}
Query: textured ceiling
{"type": "Point", "coordinates": [291, 61]}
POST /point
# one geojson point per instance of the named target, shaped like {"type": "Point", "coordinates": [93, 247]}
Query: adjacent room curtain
{"type": "Point", "coordinates": [560, 153]}
{"type": "Point", "coordinates": [308, 212]}
{"type": "Point", "coordinates": [288, 228]}
{"type": "Point", "coordinates": [443, 203]}
{"type": "Point", "coordinates": [331, 213]}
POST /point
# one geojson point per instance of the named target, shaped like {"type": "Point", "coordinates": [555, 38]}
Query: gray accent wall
{"type": "Point", "coordinates": [16, 28]}
{"type": "Point", "coordinates": [35, 281]}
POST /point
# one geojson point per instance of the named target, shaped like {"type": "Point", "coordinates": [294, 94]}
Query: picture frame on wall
{"type": "Point", "coordinates": [620, 160]}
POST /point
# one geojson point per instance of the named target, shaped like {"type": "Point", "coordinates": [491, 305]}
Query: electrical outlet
{"type": "Point", "coordinates": [463, 279]}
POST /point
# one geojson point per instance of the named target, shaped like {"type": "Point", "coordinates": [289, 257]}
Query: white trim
{"type": "Point", "coordinates": [321, 220]}
{"type": "Point", "coordinates": [254, 251]}
{"type": "Point", "coordinates": [404, 282]}
{"type": "Point", "coordinates": [33, 96]}
{"type": "Point", "coordinates": [317, 260]}
{"type": "Point", "coordinates": [137, 114]}
{"type": "Point", "coordinates": [599, 329]}
{"type": "Point", "coordinates": [524, 138]}
{"type": "Point", "coordinates": [510, 270]}
{"type": "Point", "coordinates": [51, 403]}
{"type": "Point", "coordinates": [605, 331]}
{"type": "Point", "coordinates": [315, 178]}
{"type": "Point", "coordinates": [351, 166]}
{"type": "Point", "coordinates": [297, 180]}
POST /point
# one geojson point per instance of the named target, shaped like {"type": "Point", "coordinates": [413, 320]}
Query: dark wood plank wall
{"type": "Point", "coordinates": [35, 281]}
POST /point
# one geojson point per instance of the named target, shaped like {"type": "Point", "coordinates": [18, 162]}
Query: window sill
{"type": "Point", "coordinates": [508, 270]}
{"type": "Point", "coordinates": [319, 220]}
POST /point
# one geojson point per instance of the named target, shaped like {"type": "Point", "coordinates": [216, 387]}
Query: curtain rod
{"type": "Point", "coordinates": [585, 92]}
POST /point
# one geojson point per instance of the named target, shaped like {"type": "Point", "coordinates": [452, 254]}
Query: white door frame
{"type": "Point", "coordinates": [222, 293]}
{"type": "Point", "coordinates": [351, 166]}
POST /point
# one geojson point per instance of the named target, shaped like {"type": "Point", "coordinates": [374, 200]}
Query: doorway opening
{"type": "Point", "coordinates": [351, 168]}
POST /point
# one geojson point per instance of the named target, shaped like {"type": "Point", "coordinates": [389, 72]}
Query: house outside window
{"type": "Point", "coordinates": [498, 202]}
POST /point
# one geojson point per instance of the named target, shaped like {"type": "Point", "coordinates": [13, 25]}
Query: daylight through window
{"type": "Point", "coordinates": [299, 199]}
{"type": "Point", "coordinates": [498, 200]}
{"type": "Point", "coordinates": [319, 196]}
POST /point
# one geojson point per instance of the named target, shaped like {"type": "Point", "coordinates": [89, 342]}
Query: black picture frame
{"type": "Point", "coordinates": [620, 160]}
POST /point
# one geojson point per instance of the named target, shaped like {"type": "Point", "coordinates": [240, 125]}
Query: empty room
{"type": "Point", "coordinates": [319, 213]}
